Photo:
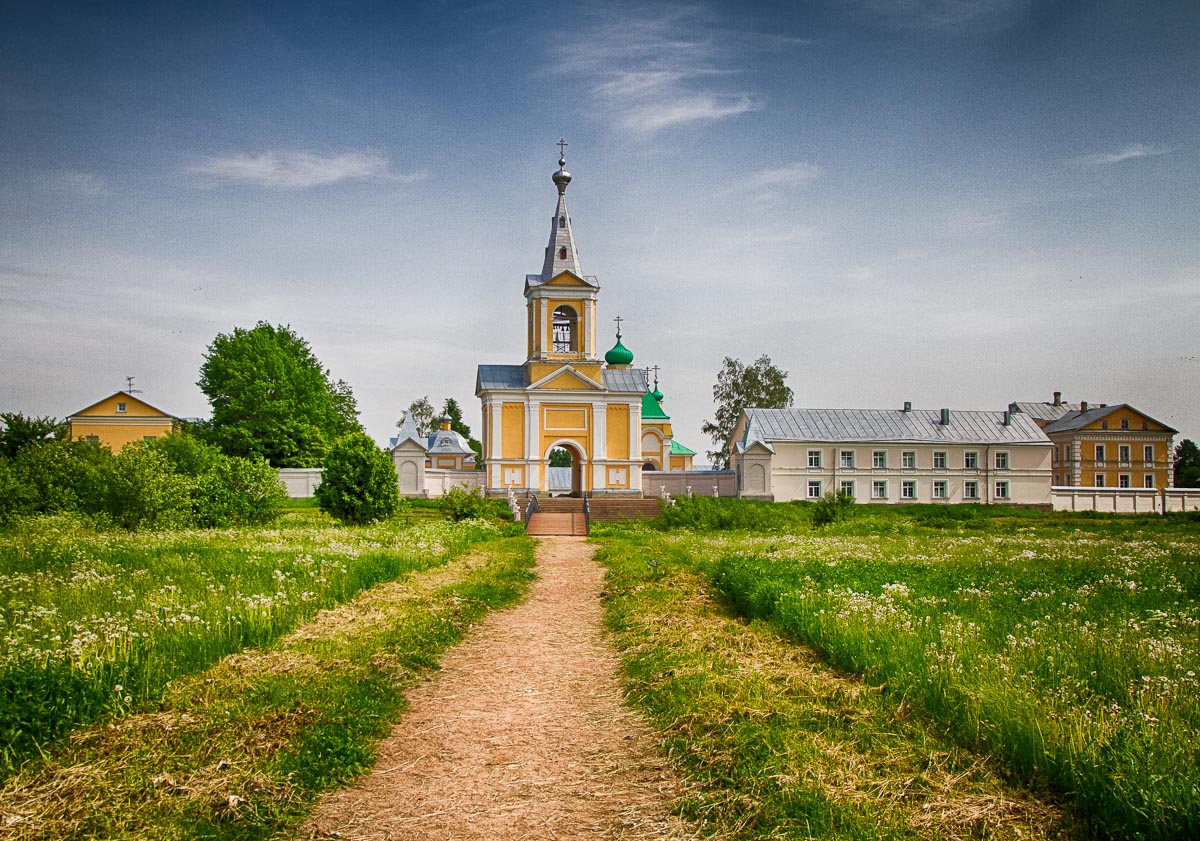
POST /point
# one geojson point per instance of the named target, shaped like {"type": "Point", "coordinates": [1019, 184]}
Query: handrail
{"type": "Point", "coordinates": [531, 507]}
{"type": "Point", "coordinates": [587, 516]}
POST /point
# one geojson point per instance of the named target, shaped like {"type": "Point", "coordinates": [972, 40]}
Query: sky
{"type": "Point", "coordinates": [946, 202]}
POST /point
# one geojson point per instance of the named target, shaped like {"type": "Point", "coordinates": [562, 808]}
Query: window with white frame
{"type": "Point", "coordinates": [121, 408]}
{"type": "Point", "coordinates": [939, 460]}
{"type": "Point", "coordinates": [848, 487]}
{"type": "Point", "coordinates": [1099, 454]}
{"type": "Point", "coordinates": [1148, 480]}
{"type": "Point", "coordinates": [1148, 454]}
{"type": "Point", "coordinates": [1001, 460]}
{"type": "Point", "coordinates": [879, 489]}
{"type": "Point", "coordinates": [908, 459]}
{"type": "Point", "coordinates": [814, 490]}
{"type": "Point", "coordinates": [1099, 481]}
{"type": "Point", "coordinates": [1002, 490]}
{"type": "Point", "coordinates": [940, 489]}
{"type": "Point", "coordinates": [814, 458]}
{"type": "Point", "coordinates": [847, 458]}
{"type": "Point", "coordinates": [879, 458]}
{"type": "Point", "coordinates": [970, 490]}
{"type": "Point", "coordinates": [908, 490]}
{"type": "Point", "coordinates": [971, 460]}
{"type": "Point", "coordinates": [1123, 480]}
{"type": "Point", "coordinates": [1123, 454]}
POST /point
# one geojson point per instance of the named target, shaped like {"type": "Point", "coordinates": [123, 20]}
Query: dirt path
{"type": "Point", "coordinates": [522, 734]}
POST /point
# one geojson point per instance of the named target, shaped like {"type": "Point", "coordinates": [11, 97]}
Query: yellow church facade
{"type": "Point", "coordinates": [565, 396]}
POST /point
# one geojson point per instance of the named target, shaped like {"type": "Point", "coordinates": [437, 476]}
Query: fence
{"type": "Point", "coordinates": [683, 482]}
{"type": "Point", "coordinates": [300, 482]}
{"type": "Point", "coordinates": [1125, 500]}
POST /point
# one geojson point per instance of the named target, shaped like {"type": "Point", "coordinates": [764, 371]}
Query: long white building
{"type": "Point", "coordinates": [892, 456]}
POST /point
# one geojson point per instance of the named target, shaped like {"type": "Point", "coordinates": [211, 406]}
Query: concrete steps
{"type": "Point", "coordinates": [543, 524]}
{"type": "Point", "coordinates": [603, 510]}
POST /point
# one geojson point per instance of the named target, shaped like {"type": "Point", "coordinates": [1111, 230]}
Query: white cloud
{"type": "Point", "coordinates": [791, 175]}
{"type": "Point", "coordinates": [951, 16]}
{"type": "Point", "coordinates": [670, 66]}
{"type": "Point", "coordinates": [1126, 153]}
{"type": "Point", "coordinates": [298, 170]}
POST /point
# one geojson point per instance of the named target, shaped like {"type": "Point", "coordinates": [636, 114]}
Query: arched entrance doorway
{"type": "Point", "coordinates": [564, 470]}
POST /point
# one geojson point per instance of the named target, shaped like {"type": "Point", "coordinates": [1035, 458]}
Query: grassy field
{"type": "Point", "coordinates": [96, 623]}
{"type": "Point", "coordinates": [1060, 652]}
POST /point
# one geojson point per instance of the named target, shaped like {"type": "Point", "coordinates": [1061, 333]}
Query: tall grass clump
{"type": "Point", "coordinates": [706, 513]}
{"type": "Point", "coordinates": [100, 622]}
{"type": "Point", "coordinates": [1072, 654]}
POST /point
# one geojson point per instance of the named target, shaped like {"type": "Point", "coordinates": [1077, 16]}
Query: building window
{"type": "Point", "coordinates": [1123, 480]}
{"type": "Point", "coordinates": [92, 439]}
{"type": "Point", "coordinates": [1104, 424]}
{"type": "Point", "coordinates": [149, 437]}
{"type": "Point", "coordinates": [1066, 452]}
{"type": "Point", "coordinates": [908, 459]}
{"type": "Point", "coordinates": [1124, 423]}
{"type": "Point", "coordinates": [562, 253]}
{"type": "Point", "coordinates": [562, 220]}
{"type": "Point", "coordinates": [1123, 454]}
{"type": "Point", "coordinates": [908, 490]}
{"type": "Point", "coordinates": [1148, 480]}
{"type": "Point", "coordinates": [1145, 425]}
{"type": "Point", "coordinates": [565, 322]}
{"type": "Point", "coordinates": [120, 408]}
{"type": "Point", "coordinates": [814, 458]}
{"type": "Point", "coordinates": [814, 490]}
{"type": "Point", "coordinates": [939, 489]}
{"type": "Point", "coordinates": [847, 458]}
{"type": "Point", "coordinates": [939, 460]}
{"type": "Point", "coordinates": [848, 487]}
{"type": "Point", "coordinates": [1002, 490]}
{"type": "Point", "coordinates": [1099, 482]}
{"type": "Point", "coordinates": [879, 458]}
{"type": "Point", "coordinates": [879, 490]}
{"type": "Point", "coordinates": [1148, 454]}
{"type": "Point", "coordinates": [971, 460]}
{"type": "Point", "coordinates": [1100, 454]}
{"type": "Point", "coordinates": [970, 490]}
{"type": "Point", "coordinates": [1002, 461]}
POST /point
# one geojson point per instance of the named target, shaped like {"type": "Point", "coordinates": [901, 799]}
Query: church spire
{"type": "Point", "coordinates": [561, 255]}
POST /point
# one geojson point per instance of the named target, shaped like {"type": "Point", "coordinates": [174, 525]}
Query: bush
{"type": "Point", "coordinates": [834, 507]}
{"type": "Point", "coordinates": [729, 514]}
{"type": "Point", "coordinates": [15, 496]}
{"type": "Point", "coordinates": [144, 492]}
{"type": "Point", "coordinates": [237, 492]}
{"type": "Point", "coordinates": [460, 503]}
{"type": "Point", "coordinates": [359, 482]}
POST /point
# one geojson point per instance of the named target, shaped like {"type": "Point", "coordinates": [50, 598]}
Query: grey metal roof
{"type": "Point", "coordinates": [1078, 420]}
{"type": "Point", "coordinates": [889, 425]}
{"type": "Point", "coordinates": [448, 442]}
{"type": "Point", "coordinates": [1045, 411]}
{"type": "Point", "coordinates": [408, 432]}
{"type": "Point", "coordinates": [623, 379]}
{"type": "Point", "coordinates": [500, 377]}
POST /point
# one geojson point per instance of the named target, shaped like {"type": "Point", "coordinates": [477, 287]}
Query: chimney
{"type": "Point", "coordinates": [1083, 406]}
{"type": "Point", "coordinates": [1103, 405]}
{"type": "Point", "coordinates": [945, 421]}
{"type": "Point", "coordinates": [1014, 408]}
{"type": "Point", "coordinates": [908, 405]}
{"type": "Point", "coordinates": [1058, 398]}
{"type": "Point", "coordinates": [1008, 418]}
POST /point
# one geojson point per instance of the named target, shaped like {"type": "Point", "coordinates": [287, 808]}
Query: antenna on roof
{"type": "Point", "coordinates": [129, 389]}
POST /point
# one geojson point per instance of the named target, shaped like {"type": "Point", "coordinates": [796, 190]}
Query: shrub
{"type": "Point", "coordinates": [64, 476]}
{"type": "Point", "coordinates": [729, 514]}
{"type": "Point", "coordinates": [15, 496]}
{"type": "Point", "coordinates": [359, 482]}
{"type": "Point", "coordinates": [461, 503]}
{"type": "Point", "coordinates": [834, 507]}
{"type": "Point", "coordinates": [237, 492]}
{"type": "Point", "coordinates": [143, 492]}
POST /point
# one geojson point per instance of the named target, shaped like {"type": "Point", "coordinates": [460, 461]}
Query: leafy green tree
{"type": "Point", "coordinates": [421, 411]}
{"type": "Point", "coordinates": [358, 484]}
{"type": "Point", "coordinates": [272, 398]}
{"type": "Point", "coordinates": [759, 386]}
{"type": "Point", "coordinates": [452, 410]}
{"type": "Point", "coordinates": [1187, 464]}
{"type": "Point", "coordinates": [560, 458]}
{"type": "Point", "coordinates": [16, 431]}
{"type": "Point", "coordinates": [237, 492]}
{"type": "Point", "coordinates": [142, 491]}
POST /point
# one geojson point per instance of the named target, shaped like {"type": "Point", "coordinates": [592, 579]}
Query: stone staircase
{"type": "Point", "coordinates": [564, 515]}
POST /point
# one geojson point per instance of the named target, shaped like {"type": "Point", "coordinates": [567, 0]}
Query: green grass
{"type": "Point", "coordinates": [1065, 647]}
{"type": "Point", "coordinates": [242, 749]}
{"type": "Point", "coordinates": [95, 623]}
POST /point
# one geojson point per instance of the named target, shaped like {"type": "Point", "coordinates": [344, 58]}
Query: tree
{"type": "Point", "coordinates": [560, 458]}
{"type": "Point", "coordinates": [452, 410]}
{"type": "Point", "coordinates": [1187, 464]}
{"type": "Point", "coordinates": [272, 398]}
{"type": "Point", "coordinates": [761, 386]}
{"type": "Point", "coordinates": [359, 482]}
{"type": "Point", "coordinates": [18, 430]}
{"type": "Point", "coordinates": [421, 411]}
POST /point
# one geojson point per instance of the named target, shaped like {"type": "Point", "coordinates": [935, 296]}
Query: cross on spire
{"type": "Point", "coordinates": [562, 146]}
{"type": "Point", "coordinates": [618, 319]}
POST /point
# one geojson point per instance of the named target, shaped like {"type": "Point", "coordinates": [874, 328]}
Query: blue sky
{"type": "Point", "coordinates": [949, 202]}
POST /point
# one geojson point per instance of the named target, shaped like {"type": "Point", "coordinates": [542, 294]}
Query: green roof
{"type": "Point", "coordinates": [678, 449]}
{"type": "Point", "coordinates": [651, 410]}
{"type": "Point", "coordinates": [619, 355]}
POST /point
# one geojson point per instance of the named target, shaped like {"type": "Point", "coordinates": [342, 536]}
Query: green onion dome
{"type": "Point", "coordinates": [619, 355]}
{"type": "Point", "coordinates": [656, 394]}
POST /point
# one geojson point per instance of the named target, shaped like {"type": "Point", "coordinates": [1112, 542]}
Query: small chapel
{"type": "Point", "coordinates": [564, 396]}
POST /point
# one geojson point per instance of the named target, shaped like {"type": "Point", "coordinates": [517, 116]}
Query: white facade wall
{"type": "Point", "coordinates": [439, 482]}
{"type": "Point", "coordinates": [300, 482]}
{"type": "Point", "coordinates": [1025, 476]}
{"type": "Point", "coordinates": [1126, 500]}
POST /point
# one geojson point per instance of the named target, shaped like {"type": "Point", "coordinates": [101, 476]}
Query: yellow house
{"type": "Point", "coordinates": [118, 420]}
{"type": "Point", "coordinates": [1111, 447]}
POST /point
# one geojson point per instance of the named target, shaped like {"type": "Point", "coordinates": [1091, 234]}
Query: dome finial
{"type": "Point", "coordinates": [562, 178]}
{"type": "Point", "coordinates": [620, 356]}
